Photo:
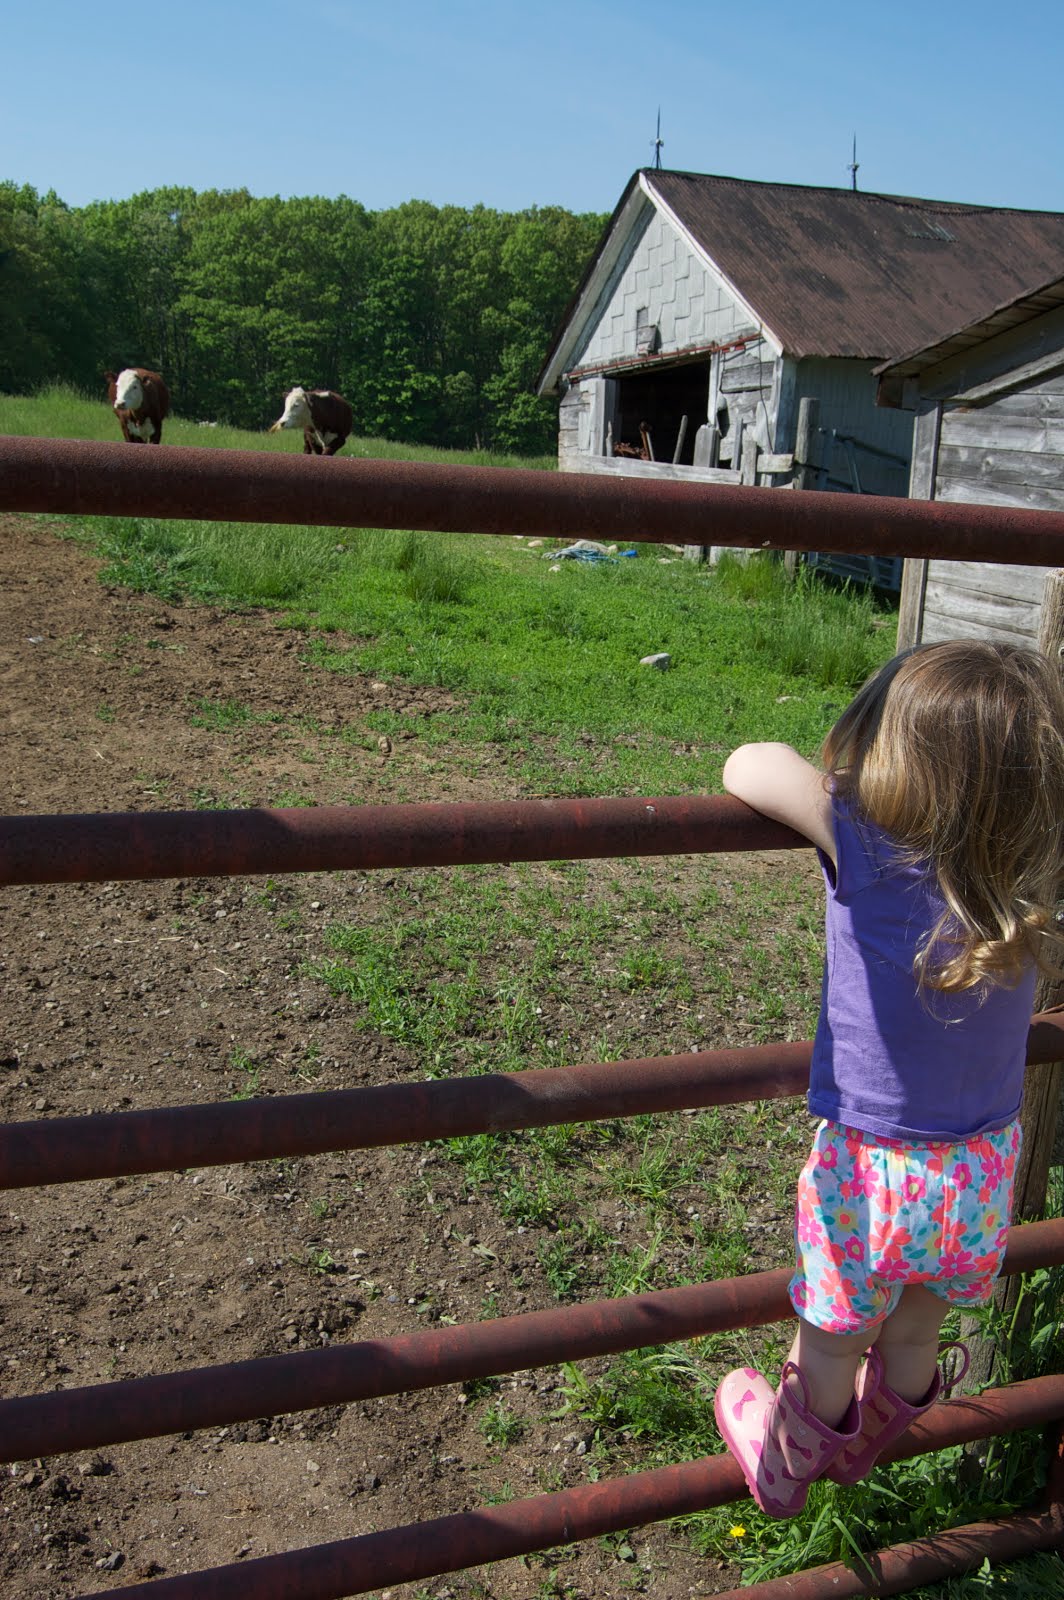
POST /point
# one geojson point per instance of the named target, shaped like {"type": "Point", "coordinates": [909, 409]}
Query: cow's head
{"type": "Point", "coordinates": [129, 391]}
{"type": "Point", "coordinates": [296, 412]}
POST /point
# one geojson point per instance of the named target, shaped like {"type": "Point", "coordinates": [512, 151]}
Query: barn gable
{"type": "Point", "coordinates": [660, 296]}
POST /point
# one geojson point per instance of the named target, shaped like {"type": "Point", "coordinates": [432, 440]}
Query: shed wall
{"type": "Point", "coordinates": [846, 391]}
{"type": "Point", "coordinates": [1008, 452]}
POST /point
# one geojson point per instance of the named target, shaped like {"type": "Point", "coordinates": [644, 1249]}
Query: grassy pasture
{"type": "Point", "coordinates": [549, 660]}
{"type": "Point", "coordinates": [546, 665]}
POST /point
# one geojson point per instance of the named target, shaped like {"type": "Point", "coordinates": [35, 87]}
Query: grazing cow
{"type": "Point", "coordinates": [140, 400]}
{"type": "Point", "coordinates": [324, 416]}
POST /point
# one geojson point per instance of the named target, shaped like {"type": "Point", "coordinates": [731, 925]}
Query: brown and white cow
{"type": "Point", "coordinates": [140, 400]}
{"type": "Point", "coordinates": [324, 416]}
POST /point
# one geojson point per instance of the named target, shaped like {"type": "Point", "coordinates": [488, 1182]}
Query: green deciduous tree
{"type": "Point", "coordinates": [432, 320]}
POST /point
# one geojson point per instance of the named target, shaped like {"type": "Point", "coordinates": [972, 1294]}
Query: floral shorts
{"type": "Point", "coordinates": [874, 1214]}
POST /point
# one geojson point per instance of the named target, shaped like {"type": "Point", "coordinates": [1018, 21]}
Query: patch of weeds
{"type": "Point", "coordinates": [221, 715]}
{"type": "Point", "coordinates": [500, 1426]}
{"type": "Point", "coordinates": [310, 1070]}
{"type": "Point", "coordinates": [663, 1395]}
{"type": "Point", "coordinates": [477, 1388]}
{"type": "Point", "coordinates": [105, 713]}
{"type": "Point", "coordinates": [318, 1261]}
{"type": "Point", "coordinates": [240, 1061]}
{"type": "Point", "coordinates": [204, 799]}
{"type": "Point", "coordinates": [555, 1587]}
{"type": "Point", "coordinates": [560, 1266]}
{"type": "Point", "coordinates": [526, 1203]}
{"type": "Point", "coordinates": [659, 1170]}
{"type": "Point", "coordinates": [499, 1497]}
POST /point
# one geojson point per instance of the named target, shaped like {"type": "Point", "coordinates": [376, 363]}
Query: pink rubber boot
{"type": "Point", "coordinates": [781, 1447]}
{"type": "Point", "coordinates": [885, 1416]}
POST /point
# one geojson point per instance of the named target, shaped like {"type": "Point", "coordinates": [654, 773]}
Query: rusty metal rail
{"type": "Point", "coordinates": [170, 1138]}
{"type": "Point", "coordinates": [85, 478]}
{"type": "Point", "coordinates": [491, 1533]}
{"type": "Point", "coordinates": [143, 1408]}
{"type": "Point", "coordinates": [113, 846]}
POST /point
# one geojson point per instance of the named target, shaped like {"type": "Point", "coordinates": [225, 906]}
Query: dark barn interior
{"type": "Point", "coordinates": [661, 398]}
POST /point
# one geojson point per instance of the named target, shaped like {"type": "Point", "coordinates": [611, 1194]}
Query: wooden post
{"type": "Point", "coordinates": [680, 437]}
{"type": "Point", "coordinates": [707, 443]}
{"type": "Point", "coordinates": [736, 438]}
{"type": "Point", "coordinates": [1043, 1095]}
{"type": "Point", "coordinates": [807, 443]}
{"type": "Point", "coordinates": [1043, 1099]}
{"type": "Point", "coordinates": [751, 449]}
{"type": "Point", "coordinates": [806, 461]}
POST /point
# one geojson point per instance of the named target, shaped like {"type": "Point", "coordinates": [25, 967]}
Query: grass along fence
{"type": "Point", "coordinates": [648, 1392]}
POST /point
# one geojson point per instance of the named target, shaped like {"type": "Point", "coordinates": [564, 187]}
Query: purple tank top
{"type": "Point", "coordinates": [887, 1059]}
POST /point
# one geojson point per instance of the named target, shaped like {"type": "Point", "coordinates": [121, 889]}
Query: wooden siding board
{"type": "Point", "coordinates": [742, 375]}
{"type": "Point", "coordinates": [939, 625]}
{"type": "Point", "coordinates": [626, 466]}
{"type": "Point", "coordinates": [1017, 583]}
{"type": "Point", "coordinates": [1048, 403]}
{"type": "Point", "coordinates": [992, 615]}
{"type": "Point", "coordinates": [963, 492]}
{"type": "Point", "coordinates": [994, 431]}
{"type": "Point", "coordinates": [977, 464]}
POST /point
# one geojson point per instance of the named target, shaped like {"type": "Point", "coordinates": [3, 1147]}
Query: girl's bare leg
{"type": "Point", "coordinates": [908, 1342]}
{"type": "Point", "coordinates": [828, 1362]}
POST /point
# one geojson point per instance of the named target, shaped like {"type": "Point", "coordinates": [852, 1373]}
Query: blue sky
{"type": "Point", "coordinates": [531, 102]}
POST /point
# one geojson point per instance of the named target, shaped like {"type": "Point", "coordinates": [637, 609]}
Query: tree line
{"type": "Point", "coordinates": [432, 320]}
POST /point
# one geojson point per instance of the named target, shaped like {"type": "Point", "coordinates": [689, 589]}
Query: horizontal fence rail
{"type": "Point", "coordinates": [81, 477]}
{"type": "Point", "coordinates": [492, 1533]}
{"type": "Point", "coordinates": [206, 1397]}
{"type": "Point", "coordinates": [170, 1138]}
{"type": "Point", "coordinates": [108, 847]}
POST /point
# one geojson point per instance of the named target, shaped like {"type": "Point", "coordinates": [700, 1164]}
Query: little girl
{"type": "Point", "coordinates": [939, 823]}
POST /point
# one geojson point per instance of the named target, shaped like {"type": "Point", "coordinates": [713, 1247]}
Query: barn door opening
{"type": "Point", "coordinates": [660, 400]}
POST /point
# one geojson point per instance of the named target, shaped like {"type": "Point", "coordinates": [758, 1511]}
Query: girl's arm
{"type": "Point", "coordinates": [781, 784]}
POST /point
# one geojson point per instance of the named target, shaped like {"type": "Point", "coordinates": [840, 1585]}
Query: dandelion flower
{"type": "Point", "coordinates": [738, 1532]}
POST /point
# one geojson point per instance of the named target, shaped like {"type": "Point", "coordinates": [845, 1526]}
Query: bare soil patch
{"type": "Point", "coordinates": [120, 995]}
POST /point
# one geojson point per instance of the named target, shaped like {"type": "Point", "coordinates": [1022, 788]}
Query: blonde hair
{"type": "Point", "coordinates": [956, 751]}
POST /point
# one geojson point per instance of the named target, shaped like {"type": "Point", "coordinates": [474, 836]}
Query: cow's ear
{"type": "Point", "coordinates": [110, 377]}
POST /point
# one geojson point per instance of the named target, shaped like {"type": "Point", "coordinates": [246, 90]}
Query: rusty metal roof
{"type": "Point", "coordinates": [834, 272]}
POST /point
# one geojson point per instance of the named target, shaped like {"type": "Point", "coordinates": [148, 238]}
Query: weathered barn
{"type": "Point", "coordinates": [713, 306]}
{"type": "Point", "coordinates": [989, 429]}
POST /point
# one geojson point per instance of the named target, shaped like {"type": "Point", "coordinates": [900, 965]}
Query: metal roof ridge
{"type": "Point", "coordinates": [955, 207]}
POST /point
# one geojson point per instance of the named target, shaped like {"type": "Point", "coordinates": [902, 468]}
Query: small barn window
{"type": "Point", "coordinates": [646, 332]}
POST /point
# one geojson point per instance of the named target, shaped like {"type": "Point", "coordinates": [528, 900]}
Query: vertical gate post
{"type": "Point", "coordinates": [806, 463]}
{"type": "Point", "coordinates": [1043, 1094]}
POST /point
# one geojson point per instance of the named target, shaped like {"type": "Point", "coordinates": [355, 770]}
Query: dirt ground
{"type": "Point", "coordinates": [120, 995]}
